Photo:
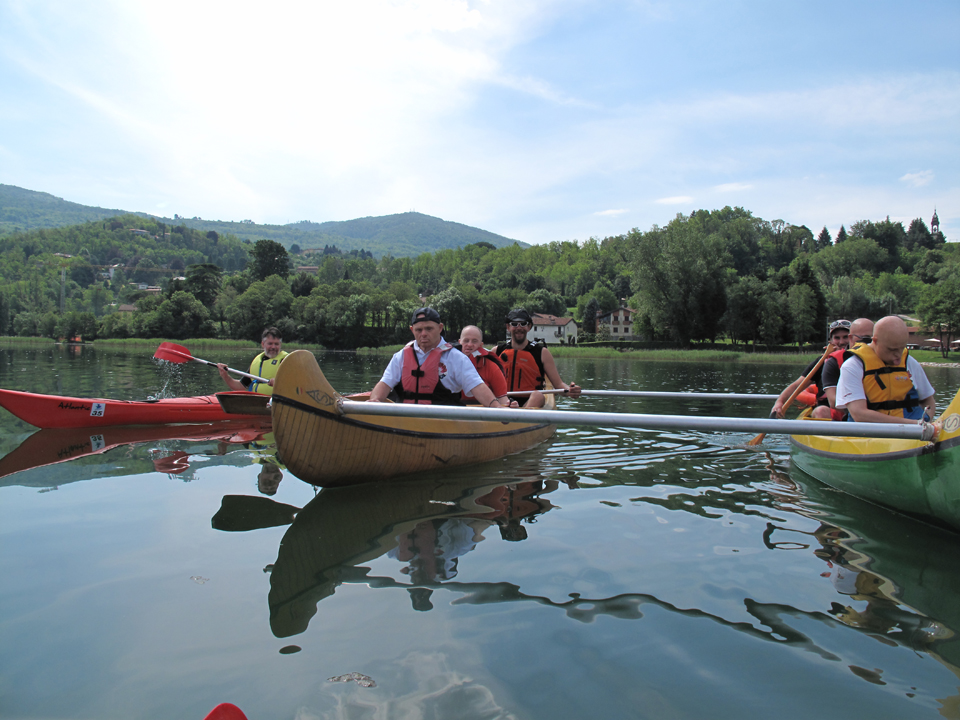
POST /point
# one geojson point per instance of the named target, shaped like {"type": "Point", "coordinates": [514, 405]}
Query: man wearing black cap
{"type": "Point", "coordinates": [528, 363]}
{"type": "Point", "coordinates": [429, 370]}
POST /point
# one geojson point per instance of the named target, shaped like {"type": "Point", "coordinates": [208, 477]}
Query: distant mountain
{"type": "Point", "coordinates": [30, 210]}
{"type": "Point", "coordinates": [402, 235]}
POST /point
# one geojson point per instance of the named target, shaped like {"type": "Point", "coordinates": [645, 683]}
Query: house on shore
{"type": "Point", "coordinates": [617, 324]}
{"type": "Point", "coordinates": [553, 330]}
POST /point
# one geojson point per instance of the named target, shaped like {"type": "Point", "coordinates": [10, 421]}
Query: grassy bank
{"type": "Point", "coordinates": [695, 356]}
{"type": "Point", "coordinates": [200, 345]}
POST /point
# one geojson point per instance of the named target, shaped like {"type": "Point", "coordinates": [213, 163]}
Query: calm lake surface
{"type": "Point", "coordinates": [609, 573]}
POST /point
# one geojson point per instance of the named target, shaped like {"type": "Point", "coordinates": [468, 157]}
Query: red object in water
{"type": "Point", "coordinates": [226, 711]}
{"type": "Point", "coordinates": [55, 411]}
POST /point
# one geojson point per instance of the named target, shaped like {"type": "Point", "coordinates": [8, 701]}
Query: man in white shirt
{"type": "Point", "coordinates": [430, 370]}
{"type": "Point", "coordinates": [882, 383]}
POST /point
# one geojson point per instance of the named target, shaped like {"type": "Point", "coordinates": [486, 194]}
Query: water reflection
{"type": "Point", "coordinates": [25, 464]}
{"type": "Point", "coordinates": [897, 578]}
{"type": "Point", "coordinates": [897, 594]}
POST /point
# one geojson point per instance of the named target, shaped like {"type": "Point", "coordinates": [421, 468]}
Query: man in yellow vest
{"type": "Point", "coordinates": [882, 383]}
{"type": "Point", "coordinates": [264, 365]}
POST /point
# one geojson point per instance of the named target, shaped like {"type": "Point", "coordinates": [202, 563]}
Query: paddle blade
{"type": "Point", "coordinates": [171, 352]}
{"type": "Point", "coordinates": [757, 440]}
{"type": "Point", "coordinates": [226, 711]}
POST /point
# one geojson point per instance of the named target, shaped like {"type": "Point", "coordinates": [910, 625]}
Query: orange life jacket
{"type": "Point", "coordinates": [524, 368]}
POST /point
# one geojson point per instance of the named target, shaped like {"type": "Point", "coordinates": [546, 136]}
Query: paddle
{"type": "Point", "coordinates": [800, 388]}
{"type": "Point", "coordinates": [646, 422]}
{"type": "Point", "coordinates": [171, 352]}
{"type": "Point", "coordinates": [656, 394]}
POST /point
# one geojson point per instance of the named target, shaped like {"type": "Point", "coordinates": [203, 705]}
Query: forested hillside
{"type": "Point", "coordinates": [22, 210]}
{"type": "Point", "coordinates": [712, 274]}
{"type": "Point", "coordinates": [401, 235]}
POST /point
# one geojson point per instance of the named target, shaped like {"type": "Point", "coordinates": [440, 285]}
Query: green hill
{"type": "Point", "coordinates": [402, 235]}
{"type": "Point", "coordinates": [30, 210]}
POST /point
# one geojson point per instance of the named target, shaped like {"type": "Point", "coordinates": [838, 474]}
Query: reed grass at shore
{"type": "Point", "coordinates": [932, 357]}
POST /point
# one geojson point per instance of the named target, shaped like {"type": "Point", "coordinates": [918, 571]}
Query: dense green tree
{"type": "Point", "coordinates": [263, 304]}
{"type": "Point", "coordinates": [939, 309]}
{"type": "Point", "coordinates": [547, 303]}
{"type": "Point", "coordinates": [841, 234]}
{"type": "Point", "coordinates": [303, 283]}
{"type": "Point", "coordinates": [683, 273]}
{"type": "Point", "coordinates": [203, 282]}
{"type": "Point", "coordinates": [267, 258]}
{"type": "Point", "coordinates": [802, 308]}
{"type": "Point", "coordinates": [589, 315]}
{"type": "Point", "coordinates": [823, 239]}
{"type": "Point", "coordinates": [744, 305]}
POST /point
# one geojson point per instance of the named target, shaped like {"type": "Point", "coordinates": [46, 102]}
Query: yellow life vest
{"type": "Point", "coordinates": [889, 389]}
{"type": "Point", "coordinates": [264, 367]}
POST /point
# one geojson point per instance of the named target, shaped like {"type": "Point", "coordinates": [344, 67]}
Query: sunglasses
{"type": "Point", "coordinates": [518, 323]}
{"type": "Point", "coordinates": [864, 338]}
{"type": "Point", "coordinates": [839, 324]}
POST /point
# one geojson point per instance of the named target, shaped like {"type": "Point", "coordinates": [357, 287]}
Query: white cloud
{"type": "Point", "coordinates": [918, 179]}
{"type": "Point", "coordinates": [676, 200]}
{"type": "Point", "coordinates": [732, 187]}
{"type": "Point", "coordinates": [612, 212]}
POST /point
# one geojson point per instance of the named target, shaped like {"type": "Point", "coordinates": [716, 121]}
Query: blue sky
{"type": "Point", "coordinates": [539, 120]}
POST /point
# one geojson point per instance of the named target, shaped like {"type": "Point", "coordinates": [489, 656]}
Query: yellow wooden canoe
{"type": "Point", "coordinates": [324, 447]}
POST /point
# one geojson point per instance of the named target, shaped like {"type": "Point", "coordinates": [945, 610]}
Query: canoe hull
{"type": "Point", "coordinates": [907, 475]}
{"type": "Point", "coordinates": [325, 448]}
{"type": "Point", "coordinates": [56, 411]}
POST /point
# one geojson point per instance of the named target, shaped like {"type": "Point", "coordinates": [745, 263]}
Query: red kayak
{"type": "Point", "coordinates": [56, 411]}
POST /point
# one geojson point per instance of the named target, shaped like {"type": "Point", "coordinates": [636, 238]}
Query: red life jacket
{"type": "Point", "coordinates": [489, 368]}
{"type": "Point", "coordinates": [524, 368]}
{"type": "Point", "coordinates": [421, 384]}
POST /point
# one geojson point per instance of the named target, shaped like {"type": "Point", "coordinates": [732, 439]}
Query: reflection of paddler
{"type": "Point", "coordinates": [509, 504]}
{"type": "Point", "coordinates": [342, 528]}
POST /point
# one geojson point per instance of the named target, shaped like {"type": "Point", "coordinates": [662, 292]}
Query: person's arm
{"type": "Point", "coordinates": [484, 395]}
{"type": "Point", "coordinates": [550, 369]}
{"type": "Point", "coordinates": [831, 394]}
{"type": "Point", "coordinates": [829, 378]}
{"type": "Point", "coordinates": [785, 395]}
{"type": "Point", "coordinates": [493, 377]}
{"type": "Point", "coordinates": [232, 383]}
{"type": "Point", "coordinates": [379, 392]}
{"type": "Point", "coordinates": [930, 405]}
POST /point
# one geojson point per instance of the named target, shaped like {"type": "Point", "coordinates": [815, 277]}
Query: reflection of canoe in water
{"type": "Point", "coordinates": [912, 476]}
{"type": "Point", "coordinates": [57, 411]}
{"type": "Point", "coordinates": [55, 445]}
{"type": "Point", "coordinates": [913, 565]}
{"type": "Point", "coordinates": [347, 526]}
{"type": "Point", "coordinates": [323, 447]}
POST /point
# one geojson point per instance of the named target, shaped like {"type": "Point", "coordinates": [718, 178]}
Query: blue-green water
{"type": "Point", "coordinates": [608, 573]}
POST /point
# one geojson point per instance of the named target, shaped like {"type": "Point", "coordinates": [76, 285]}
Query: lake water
{"type": "Point", "coordinates": [608, 573]}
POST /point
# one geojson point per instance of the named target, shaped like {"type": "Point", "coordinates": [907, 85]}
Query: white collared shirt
{"type": "Point", "coordinates": [457, 372]}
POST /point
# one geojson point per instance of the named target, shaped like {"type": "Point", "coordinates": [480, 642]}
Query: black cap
{"type": "Point", "coordinates": [520, 314]}
{"type": "Point", "coordinates": [425, 313]}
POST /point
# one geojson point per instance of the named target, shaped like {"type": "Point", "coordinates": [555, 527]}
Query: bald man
{"type": "Point", "coordinates": [882, 383]}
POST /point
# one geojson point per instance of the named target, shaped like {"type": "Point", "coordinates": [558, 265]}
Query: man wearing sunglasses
{"type": "Point", "coordinates": [839, 337]}
{"type": "Point", "coordinates": [861, 333]}
{"type": "Point", "coordinates": [527, 363]}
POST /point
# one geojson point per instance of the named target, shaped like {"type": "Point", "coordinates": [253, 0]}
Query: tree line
{"type": "Point", "coordinates": [701, 277]}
